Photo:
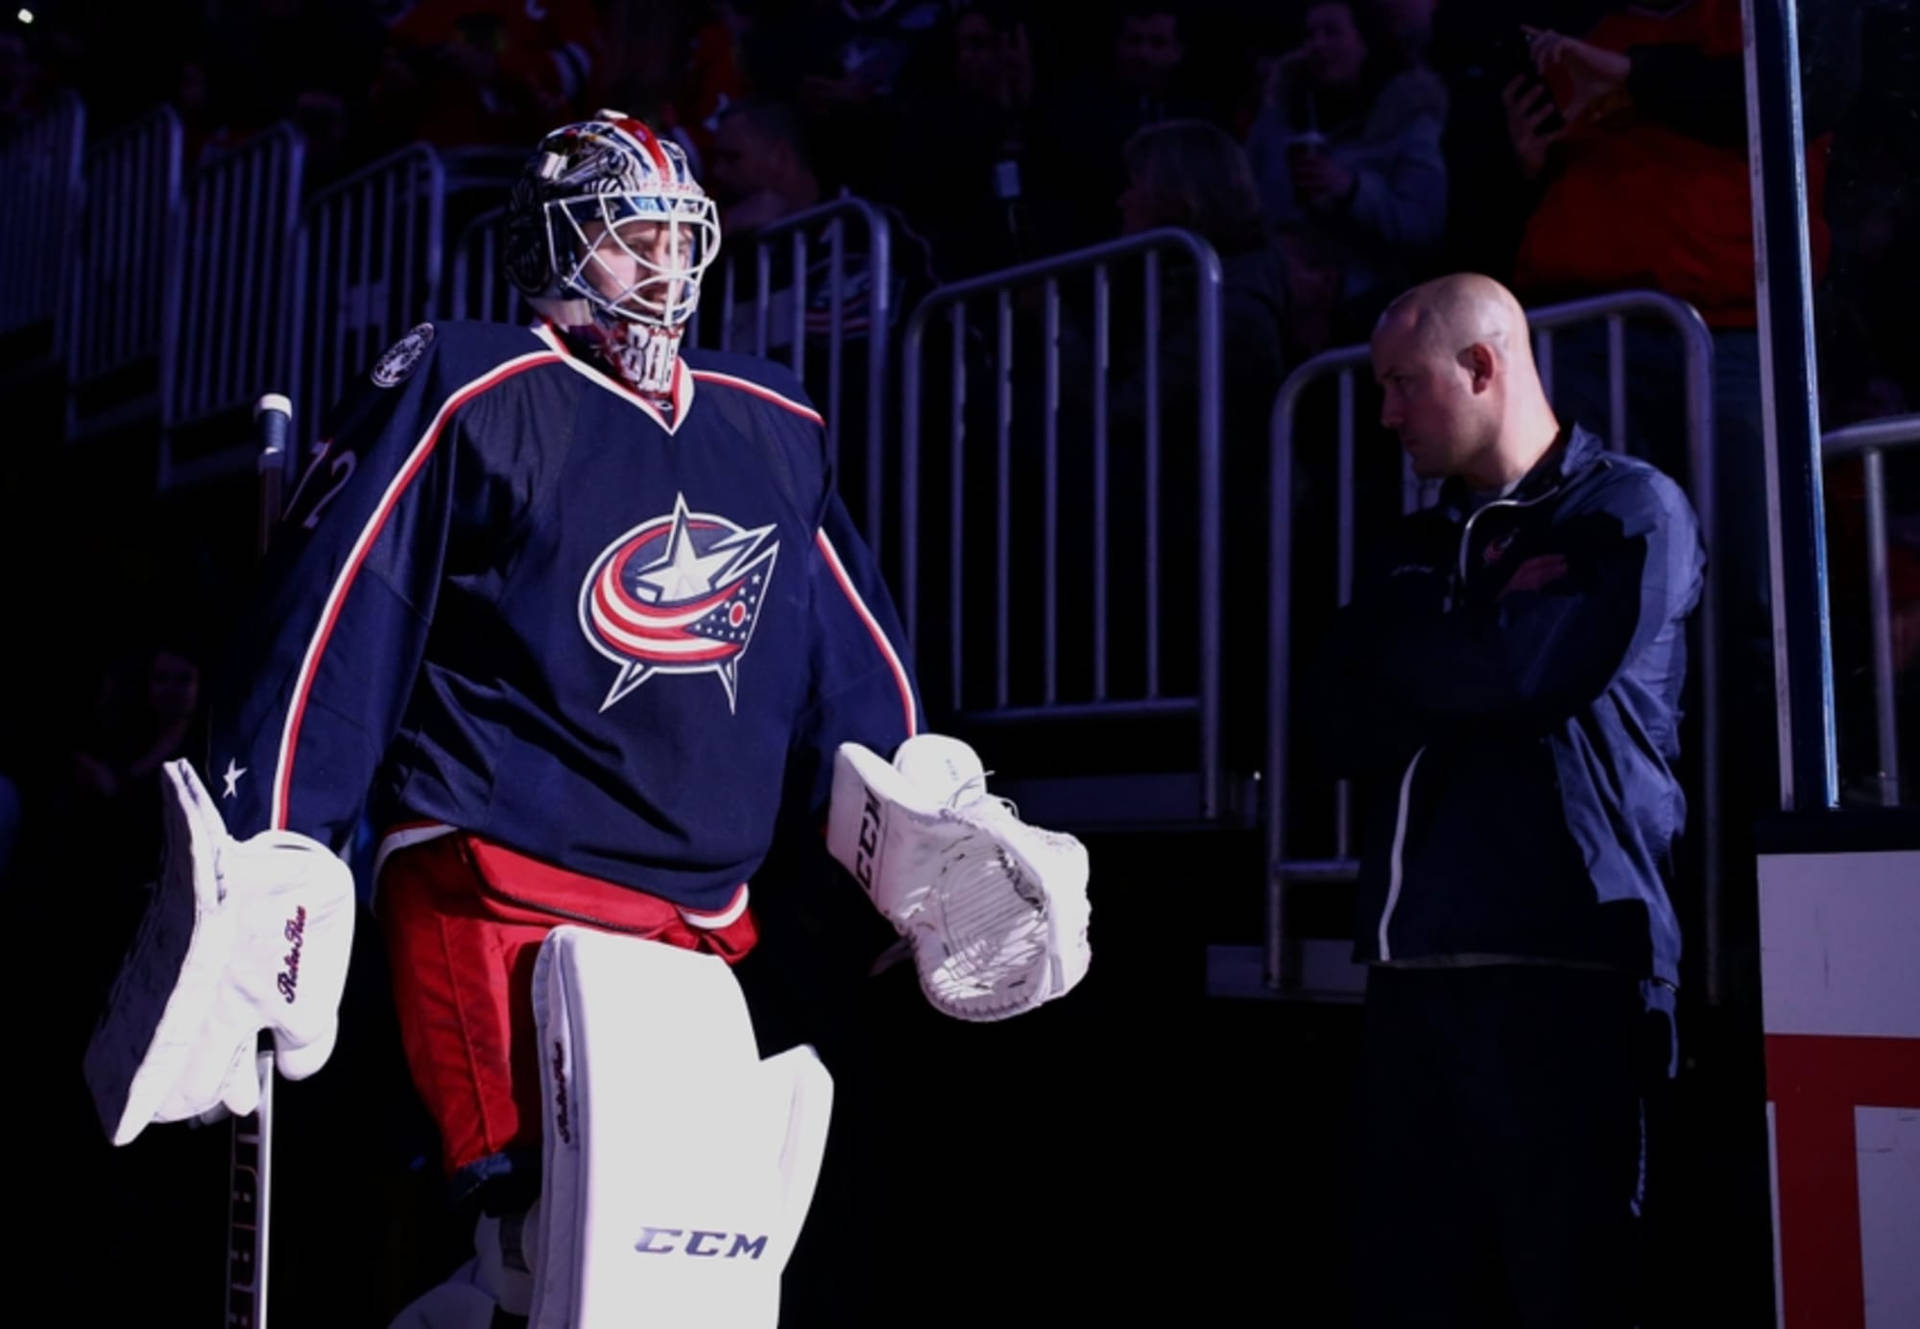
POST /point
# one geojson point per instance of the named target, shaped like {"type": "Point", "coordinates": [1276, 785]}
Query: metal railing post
{"type": "Point", "coordinates": [1105, 533]}
{"type": "Point", "coordinates": [1870, 442]}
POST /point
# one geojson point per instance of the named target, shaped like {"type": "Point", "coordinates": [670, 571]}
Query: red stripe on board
{"type": "Point", "coordinates": [1815, 1082]}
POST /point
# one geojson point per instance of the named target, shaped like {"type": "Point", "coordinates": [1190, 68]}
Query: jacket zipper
{"type": "Point", "coordinates": [1466, 532]}
{"type": "Point", "coordinates": [1395, 864]}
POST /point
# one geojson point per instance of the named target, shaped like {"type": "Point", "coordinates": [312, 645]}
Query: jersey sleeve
{"type": "Point", "coordinates": [862, 682]}
{"type": "Point", "coordinates": [325, 656]}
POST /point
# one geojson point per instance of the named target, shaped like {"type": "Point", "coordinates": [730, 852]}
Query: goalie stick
{"type": "Point", "coordinates": [249, 1168]}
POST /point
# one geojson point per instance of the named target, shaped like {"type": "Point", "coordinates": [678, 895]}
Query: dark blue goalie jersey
{"type": "Point", "coordinates": [511, 598]}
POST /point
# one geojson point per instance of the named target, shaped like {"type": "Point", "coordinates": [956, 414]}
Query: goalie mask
{"type": "Point", "coordinates": [609, 234]}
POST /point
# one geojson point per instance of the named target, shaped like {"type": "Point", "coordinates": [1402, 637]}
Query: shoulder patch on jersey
{"type": "Point", "coordinates": [402, 356]}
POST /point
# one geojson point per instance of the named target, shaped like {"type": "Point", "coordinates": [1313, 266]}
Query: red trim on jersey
{"type": "Point", "coordinates": [765, 394]}
{"type": "Point", "coordinates": [873, 627]}
{"type": "Point", "coordinates": [343, 584]}
{"type": "Point", "coordinates": [719, 918]}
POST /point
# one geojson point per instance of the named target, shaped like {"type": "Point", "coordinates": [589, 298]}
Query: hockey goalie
{"type": "Point", "coordinates": [572, 612]}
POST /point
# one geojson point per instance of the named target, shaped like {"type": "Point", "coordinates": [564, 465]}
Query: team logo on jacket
{"type": "Point", "coordinates": [678, 594]}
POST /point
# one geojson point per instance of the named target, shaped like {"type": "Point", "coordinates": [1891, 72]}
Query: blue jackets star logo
{"type": "Point", "coordinates": [678, 594]}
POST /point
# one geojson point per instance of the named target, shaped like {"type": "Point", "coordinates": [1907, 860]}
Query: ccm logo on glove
{"type": "Point", "coordinates": [868, 842]}
{"type": "Point", "coordinates": [297, 934]}
{"type": "Point", "coordinates": [560, 1122]}
{"type": "Point", "coordinates": [753, 1246]}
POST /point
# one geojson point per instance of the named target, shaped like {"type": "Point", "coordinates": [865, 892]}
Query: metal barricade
{"type": "Point", "coordinates": [1870, 442]}
{"type": "Point", "coordinates": [42, 163]}
{"type": "Point", "coordinates": [1284, 963]}
{"type": "Point", "coordinates": [127, 297]}
{"type": "Point", "coordinates": [949, 306]}
{"type": "Point", "coordinates": [803, 280]}
{"type": "Point", "coordinates": [237, 316]}
{"type": "Point", "coordinates": [368, 268]}
{"type": "Point", "coordinates": [476, 286]}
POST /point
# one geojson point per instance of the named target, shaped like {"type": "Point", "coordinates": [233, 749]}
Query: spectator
{"type": "Point", "coordinates": [1633, 135]}
{"type": "Point", "coordinates": [22, 86]}
{"type": "Point", "coordinates": [762, 172]}
{"type": "Point", "coordinates": [758, 167]}
{"type": "Point", "coordinates": [151, 734]}
{"type": "Point", "coordinates": [120, 59]}
{"type": "Point", "coordinates": [963, 162]}
{"type": "Point", "coordinates": [299, 60]}
{"type": "Point", "coordinates": [1192, 175]}
{"type": "Point", "coordinates": [715, 77]}
{"type": "Point", "coordinates": [1347, 155]}
{"type": "Point", "coordinates": [1089, 124]}
{"type": "Point", "coordinates": [1412, 24]}
{"type": "Point", "coordinates": [106, 816]}
{"type": "Point", "coordinates": [1477, 50]}
{"type": "Point", "coordinates": [1508, 686]}
{"type": "Point", "coordinates": [202, 128]}
{"type": "Point", "coordinates": [676, 65]}
{"type": "Point", "coordinates": [464, 73]}
{"type": "Point", "coordinates": [845, 65]}
{"type": "Point", "coordinates": [1148, 55]}
{"type": "Point", "coordinates": [1869, 344]}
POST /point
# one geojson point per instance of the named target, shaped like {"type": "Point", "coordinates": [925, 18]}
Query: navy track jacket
{"type": "Point", "coordinates": [509, 598]}
{"type": "Point", "coordinates": [1519, 746]}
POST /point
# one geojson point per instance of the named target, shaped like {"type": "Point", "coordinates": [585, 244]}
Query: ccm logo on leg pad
{"type": "Point", "coordinates": [658, 1241]}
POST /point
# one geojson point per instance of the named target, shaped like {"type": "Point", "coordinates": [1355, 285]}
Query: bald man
{"type": "Point", "coordinates": [1507, 690]}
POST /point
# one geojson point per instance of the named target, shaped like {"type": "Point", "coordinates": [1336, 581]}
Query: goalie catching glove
{"type": "Point", "coordinates": [239, 938]}
{"type": "Point", "coordinates": [995, 910]}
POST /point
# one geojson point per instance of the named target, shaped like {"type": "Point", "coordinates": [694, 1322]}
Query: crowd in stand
{"type": "Point", "coordinates": [1385, 139]}
{"type": "Point", "coordinates": [1330, 151]}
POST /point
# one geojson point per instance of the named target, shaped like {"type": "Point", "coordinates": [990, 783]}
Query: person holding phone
{"type": "Point", "coordinates": [1346, 152]}
{"type": "Point", "coordinates": [1647, 186]}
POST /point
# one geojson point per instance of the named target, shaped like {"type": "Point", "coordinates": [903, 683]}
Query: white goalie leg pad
{"type": "Point", "coordinates": [239, 938]}
{"type": "Point", "coordinates": [678, 1166]}
{"type": "Point", "coordinates": [996, 910]}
